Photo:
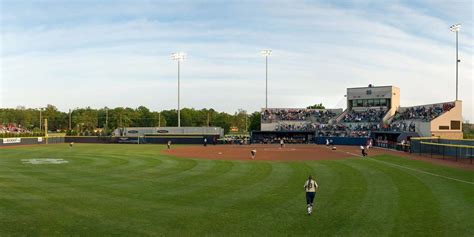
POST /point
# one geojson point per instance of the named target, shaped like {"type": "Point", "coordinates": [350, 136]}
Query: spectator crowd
{"type": "Point", "coordinates": [402, 126]}
{"type": "Point", "coordinates": [12, 128]}
{"type": "Point", "coordinates": [370, 115]}
{"type": "Point", "coordinates": [334, 130]}
{"type": "Point", "coordinates": [424, 113]}
{"type": "Point", "coordinates": [314, 115]}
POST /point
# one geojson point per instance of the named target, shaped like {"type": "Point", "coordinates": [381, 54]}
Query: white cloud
{"type": "Point", "coordinates": [319, 51]}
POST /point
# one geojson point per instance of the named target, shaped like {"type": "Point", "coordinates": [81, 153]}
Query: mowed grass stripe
{"type": "Point", "coordinates": [419, 211]}
{"type": "Point", "coordinates": [264, 200]}
{"type": "Point", "coordinates": [459, 208]}
{"type": "Point", "coordinates": [344, 202]}
{"type": "Point", "coordinates": [376, 214]}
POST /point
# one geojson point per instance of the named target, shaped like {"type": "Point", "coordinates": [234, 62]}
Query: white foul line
{"type": "Point", "coordinates": [416, 170]}
{"type": "Point", "coordinates": [424, 172]}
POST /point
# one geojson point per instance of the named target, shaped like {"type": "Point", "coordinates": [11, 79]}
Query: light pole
{"type": "Point", "coordinates": [180, 56]}
{"type": "Point", "coordinates": [106, 119]}
{"type": "Point", "coordinates": [266, 53]}
{"type": "Point", "coordinates": [70, 112]}
{"type": "Point", "coordinates": [40, 118]}
{"type": "Point", "coordinates": [456, 28]}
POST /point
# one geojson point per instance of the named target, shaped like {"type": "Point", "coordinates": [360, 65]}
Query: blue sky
{"type": "Point", "coordinates": [117, 53]}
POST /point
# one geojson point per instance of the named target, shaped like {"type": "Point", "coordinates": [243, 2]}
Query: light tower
{"type": "Point", "coordinates": [266, 53]}
{"type": "Point", "coordinates": [179, 56]}
{"type": "Point", "coordinates": [456, 28]}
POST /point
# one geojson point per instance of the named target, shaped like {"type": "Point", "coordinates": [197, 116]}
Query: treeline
{"type": "Point", "coordinates": [88, 121]}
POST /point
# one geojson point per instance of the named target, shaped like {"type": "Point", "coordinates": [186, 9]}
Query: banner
{"type": "Point", "coordinates": [40, 139]}
{"type": "Point", "coordinates": [11, 140]}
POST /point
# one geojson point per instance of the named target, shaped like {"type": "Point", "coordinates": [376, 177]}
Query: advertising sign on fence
{"type": "Point", "coordinates": [11, 140]}
{"type": "Point", "coordinates": [40, 139]}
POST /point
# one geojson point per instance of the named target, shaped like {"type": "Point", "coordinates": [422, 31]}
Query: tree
{"type": "Point", "coordinates": [55, 118]}
{"type": "Point", "coordinates": [316, 106]}
{"type": "Point", "coordinates": [87, 120]}
{"type": "Point", "coordinates": [143, 117]}
{"type": "Point", "coordinates": [239, 120]}
{"type": "Point", "coordinates": [255, 119]}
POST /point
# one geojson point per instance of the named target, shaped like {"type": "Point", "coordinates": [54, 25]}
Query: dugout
{"type": "Point", "coordinates": [392, 139]}
{"type": "Point", "coordinates": [349, 141]}
{"type": "Point", "coordinates": [289, 137]}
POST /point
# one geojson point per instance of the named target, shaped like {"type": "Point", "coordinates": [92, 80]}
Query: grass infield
{"type": "Point", "coordinates": [133, 190]}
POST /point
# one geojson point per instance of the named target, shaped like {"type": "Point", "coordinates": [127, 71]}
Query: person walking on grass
{"type": "Point", "coordinates": [310, 187]}
{"type": "Point", "coordinates": [169, 145]}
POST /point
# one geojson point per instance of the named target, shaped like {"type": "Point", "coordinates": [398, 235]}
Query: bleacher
{"type": "Point", "coordinates": [322, 116]}
{"type": "Point", "coordinates": [424, 113]}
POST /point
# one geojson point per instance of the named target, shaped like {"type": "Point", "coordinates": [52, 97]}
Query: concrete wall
{"type": "Point", "coordinates": [395, 99]}
{"type": "Point", "coordinates": [455, 114]}
{"type": "Point", "coordinates": [422, 128]}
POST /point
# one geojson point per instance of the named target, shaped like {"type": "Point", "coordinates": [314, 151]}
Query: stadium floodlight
{"type": "Point", "coordinates": [179, 56]}
{"type": "Point", "coordinates": [266, 53]}
{"type": "Point", "coordinates": [456, 28]}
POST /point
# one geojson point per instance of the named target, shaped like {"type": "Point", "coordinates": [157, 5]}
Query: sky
{"type": "Point", "coordinates": [118, 53]}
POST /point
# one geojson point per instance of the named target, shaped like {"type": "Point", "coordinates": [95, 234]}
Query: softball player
{"type": "Point", "coordinates": [362, 149]}
{"type": "Point", "coordinates": [310, 187]}
{"type": "Point", "coordinates": [253, 153]}
{"type": "Point", "coordinates": [169, 145]}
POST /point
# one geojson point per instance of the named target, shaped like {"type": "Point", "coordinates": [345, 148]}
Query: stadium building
{"type": "Point", "coordinates": [372, 112]}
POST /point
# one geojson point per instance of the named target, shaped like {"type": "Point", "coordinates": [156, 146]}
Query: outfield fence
{"type": "Point", "coordinates": [446, 149]}
{"type": "Point", "coordinates": [27, 141]}
{"type": "Point", "coordinates": [147, 139]}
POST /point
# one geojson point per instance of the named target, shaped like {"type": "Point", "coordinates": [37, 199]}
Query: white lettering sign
{"type": "Point", "coordinates": [40, 139]}
{"type": "Point", "coordinates": [11, 140]}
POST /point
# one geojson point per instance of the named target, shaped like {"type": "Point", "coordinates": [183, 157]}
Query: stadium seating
{"type": "Point", "coordinates": [424, 113]}
{"type": "Point", "coordinates": [369, 115]}
{"type": "Point", "coordinates": [312, 115]}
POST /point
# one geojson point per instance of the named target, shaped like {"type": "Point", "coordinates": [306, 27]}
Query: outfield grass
{"type": "Point", "coordinates": [112, 190]}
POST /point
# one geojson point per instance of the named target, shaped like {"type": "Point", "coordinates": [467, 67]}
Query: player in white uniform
{"type": "Point", "coordinates": [310, 187]}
